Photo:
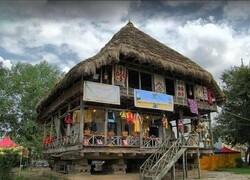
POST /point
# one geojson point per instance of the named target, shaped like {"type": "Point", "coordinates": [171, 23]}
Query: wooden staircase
{"type": "Point", "coordinates": [164, 158]}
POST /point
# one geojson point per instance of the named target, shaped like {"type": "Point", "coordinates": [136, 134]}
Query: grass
{"type": "Point", "coordinates": [29, 174]}
{"type": "Point", "coordinates": [243, 170]}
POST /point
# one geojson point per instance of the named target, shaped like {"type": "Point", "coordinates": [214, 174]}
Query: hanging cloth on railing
{"type": "Point", "coordinates": [67, 119]}
{"type": "Point", "coordinates": [193, 106]}
{"type": "Point", "coordinates": [159, 82]}
{"type": "Point", "coordinates": [137, 122]}
{"type": "Point", "coordinates": [209, 97]}
{"type": "Point", "coordinates": [165, 121]}
{"type": "Point", "coordinates": [76, 116]}
{"type": "Point", "coordinates": [130, 117]}
{"type": "Point", "coordinates": [120, 75]}
{"type": "Point", "coordinates": [180, 89]}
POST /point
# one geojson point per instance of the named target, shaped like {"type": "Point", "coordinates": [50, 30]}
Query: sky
{"type": "Point", "coordinates": [214, 34]}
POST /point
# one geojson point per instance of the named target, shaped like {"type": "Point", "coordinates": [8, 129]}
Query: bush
{"type": "Point", "coordinates": [239, 162]}
{"type": "Point", "coordinates": [8, 160]}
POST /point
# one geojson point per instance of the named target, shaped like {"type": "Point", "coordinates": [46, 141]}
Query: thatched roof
{"type": "Point", "coordinates": [133, 43]}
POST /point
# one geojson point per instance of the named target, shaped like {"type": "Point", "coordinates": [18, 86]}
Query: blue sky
{"type": "Point", "coordinates": [216, 34]}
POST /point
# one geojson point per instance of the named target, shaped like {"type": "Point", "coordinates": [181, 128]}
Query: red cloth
{"type": "Point", "coordinates": [209, 97]}
{"type": "Point", "coordinates": [67, 120]}
{"type": "Point", "coordinates": [130, 117]}
{"type": "Point", "coordinates": [7, 142]}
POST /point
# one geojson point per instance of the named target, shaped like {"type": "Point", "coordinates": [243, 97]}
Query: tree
{"type": "Point", "coordinates": [233, 124]}
{"type": "Point", "coordinates": [22, 87]}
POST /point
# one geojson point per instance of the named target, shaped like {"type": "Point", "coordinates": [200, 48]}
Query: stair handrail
{"type": "Point", "coordinates": [161, 149]}
{"type": "Point", "coordinates": [154, 167]}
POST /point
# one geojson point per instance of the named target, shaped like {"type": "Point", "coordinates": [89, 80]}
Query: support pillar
{"type": "Point", "coordinates": [119, 166]}
{"type": "Point", "coordinates": [81, 114]}
{"type": "Point", "coordinates": [82, 166]}
{"type": "Point", "coordinates": [210, 131]}
{"type": "Point", "coordinates": [198, 161]}
{"type": "Point", "coordinates": [106, 126]}
{"type": "Point", "coordinates": [173, 172]}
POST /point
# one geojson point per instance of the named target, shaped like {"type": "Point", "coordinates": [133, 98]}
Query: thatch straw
{"type": "Point", "coordinates": [135, 44]}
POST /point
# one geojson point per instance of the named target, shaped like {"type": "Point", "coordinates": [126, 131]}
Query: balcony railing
{"type": "Point", "coordinates": [64, 141]}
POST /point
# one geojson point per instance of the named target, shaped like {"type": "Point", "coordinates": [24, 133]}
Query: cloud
{"type": "Point", "coordinates": [215, 46]}
{"type": "Point", "coordinates": [6, 63]}
{"type": "Point", "coordinates": [237, 10]}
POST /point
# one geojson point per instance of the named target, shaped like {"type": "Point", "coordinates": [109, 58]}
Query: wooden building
{"type": "Point", "coordinates": [115, 109]}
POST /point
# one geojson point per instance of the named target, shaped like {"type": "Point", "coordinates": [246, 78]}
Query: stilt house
{"type": "Point", "coordinates": [135, 99]}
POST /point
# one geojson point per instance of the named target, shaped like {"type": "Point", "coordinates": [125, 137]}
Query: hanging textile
{"type": "Point", "coordinates": [159, 82]}
{"type": "Point", "coordinates": [67, 119]}
{"type": "Point", "coordinates": [76, 116]}
{"type": "Point", "coordinates": [199, 92]}
{"type": "Point", "coordinates": [137, 122]}
{"type": "Point", "coordinates": [193, 106]}
{"type": "Point", "coordinates": [130, 117]}
{"type": "Point", "coordinates": [165, 121]}
{"type": "Point", "coordinates": [205, 93]}
{"type": "Point", "coordinates": [123, 115]}
{"type": "Point", "coordinates": [87, 116]}
{"type": "Point", "coordinates": [209, 97]}
{"type": "Point", "coordinates": [180, 89]}
{"type": "Point", "coordinates": [120, 75]}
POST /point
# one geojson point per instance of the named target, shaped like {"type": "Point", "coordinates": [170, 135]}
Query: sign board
{"type": "Point", "coordinates": [153, 100]}
{"type": "Point", "coordinates": [102, 93]}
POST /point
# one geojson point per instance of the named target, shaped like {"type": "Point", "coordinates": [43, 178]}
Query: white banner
{"type": "Point", "coordinates": [102, 93]}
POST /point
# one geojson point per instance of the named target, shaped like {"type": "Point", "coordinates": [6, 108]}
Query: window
{"type": "Point", "coordinates": [146, 81]}
{"type": "Point", "coordinates": [190, 91]}
{"type": "Point", "coordinates": [133, 79]}
{"type": "Point", "coordinates": [170, 86]}
{"type": "Point", "coordinates": [97, 76]}
{"type": "Point", "coordinates": [107, 74]}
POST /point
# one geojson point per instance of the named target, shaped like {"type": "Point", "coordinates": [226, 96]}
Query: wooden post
{"type": "Point", "coordinates": [198, 161]}
{"type": "Point", "coordinates": [51, 126]}
{"type": "Point", "coordinates": [173, 172]}
{"type": "Point", "coordinates": [183, 165]}
{"type": "Point", "coordinates": [113, 74]}
{"type": "Point", "coordinates": [210, 131]}
{"type": "Point", "coordinates": [141, 135]}
{"type": "Point", "coordinates": [106, 126]}
{"type": "Point", "coordinates": [81, 114]}
{"type": "Point", "coordinates": [182, 128]}
{"type": "Point", "coordinates": [186, 164]}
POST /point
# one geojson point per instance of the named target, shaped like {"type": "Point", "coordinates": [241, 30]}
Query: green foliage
{"type": "Point", "coordinates": [22, 87]}
{"type": "Point", "coordinates": [8, 160]}
{"type": "Point", "coordinates": [242, 170]}
{"type": "Point", "coordinates": [236, 86]}
{"type": "Point", "coordinates": [239, 162]}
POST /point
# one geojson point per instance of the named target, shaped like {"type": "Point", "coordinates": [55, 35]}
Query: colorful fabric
{"type": "Point", "coordinates": [76, 116]}
{"type": "Point", "coordinates": [199, 92]}
{"type": "Point", "coordinates": [193, 106]}
{"type": "Point", "coordinates": [67, 119]}
{"type": "Point", "coordinates": [205, 96]}
{"type": "Point", "coordinates": [209, 97]}
{"type": "Point", "coordinates": [87, 116]}
{"type": "Point", "coordinates": [159, 83]}
{"type": "Point", "coordinates": [123, 114]}
{"type": "Point", "coordinates": [180, 123]}
{"type": "Point", "coordinates": [120, 75]}
{"type": "Point", "coordinates": [137, 122]}
{"type": "Point", "coordinates": [165, 122]}
{"type": "Point", "coordinates": [130, 117]}
{"type": "Point", "coordinates": [180, 90]}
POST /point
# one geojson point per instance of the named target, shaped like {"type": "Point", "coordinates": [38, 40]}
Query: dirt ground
{"type": "Point", "coordinates": [193, 174]}
{"type": "Point", "coordinates": [208, 175]}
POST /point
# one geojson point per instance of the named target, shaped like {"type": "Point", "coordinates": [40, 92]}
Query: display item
{"type": "Point", "coordinates": [130, 117]}
{"type": "Point", "coordinates": [193, 106]}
